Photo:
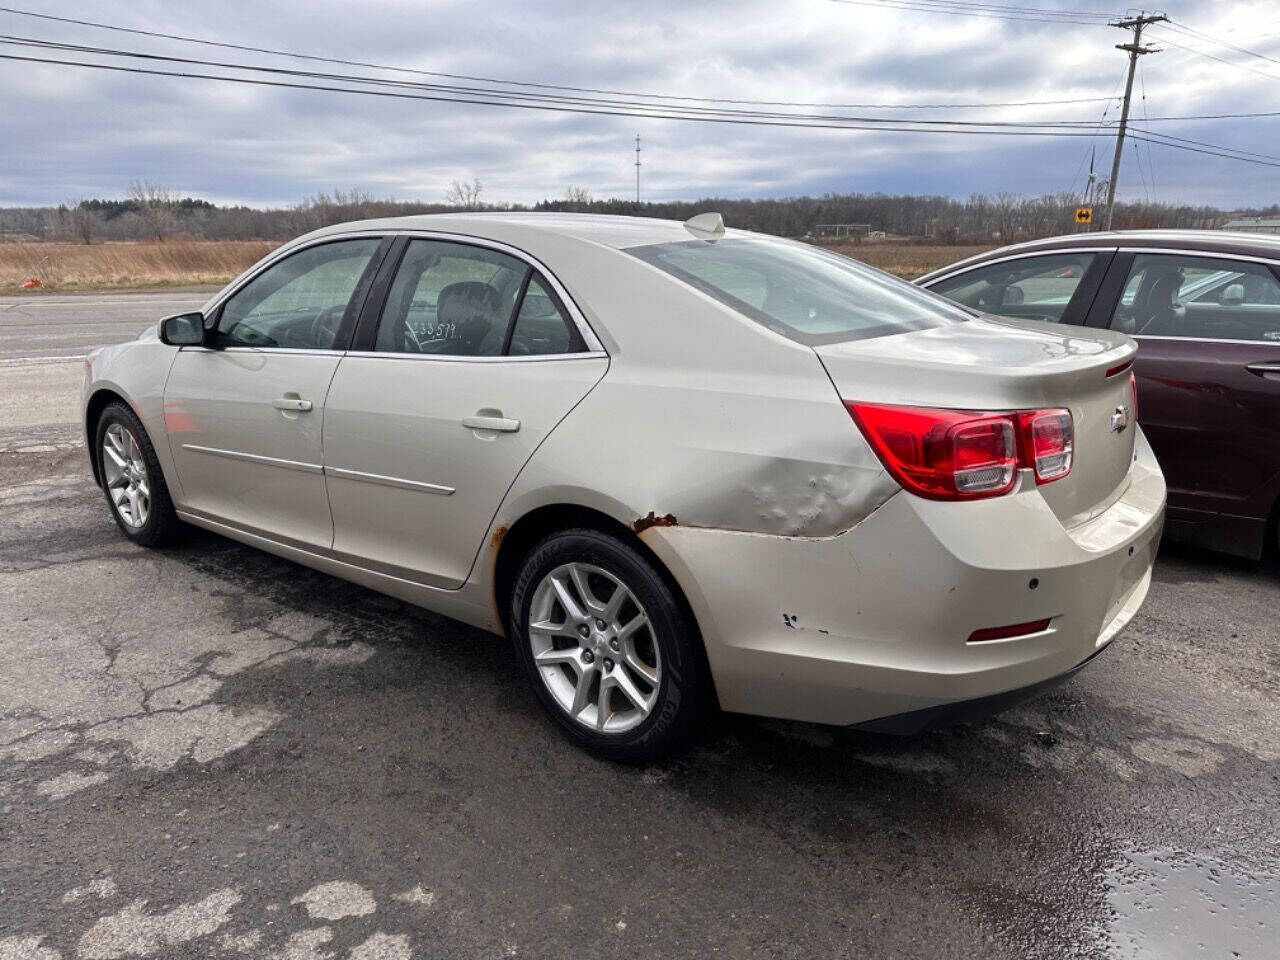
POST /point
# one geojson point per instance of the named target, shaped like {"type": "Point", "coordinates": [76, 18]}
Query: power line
{"type": "Point", "coordinates": [740, 121]}
{"type": "Point", "coordinates": [991, 11]}
{"type": "Point", "coordinates": [1209, 56]}
{"type": "Point", "coordinates": [640, 109]}
{"type": "Point", "coordinates": [1031, 14]}
{"type": "Point", "coordinates": [1102, 122]}
{"type": "Point", "coordinates": [1213, 116]}
{"type": "Point", "coordinates": [1211, 153]}
{"type": "Point", "coordinates": [1018, 8]}
{"type": "Point", "coordinates": [1142, 177]}
{"type": "Point", "coordinates": [1183, 28]}
{"type": "Point", "coordinates": [517, 83]}
{"type": "Point", "coordinates": [1159, 137]}
{"type": "Point", "coordinates": [621, 110]}
{"type": "Point", "coordinates": [1142, 85]}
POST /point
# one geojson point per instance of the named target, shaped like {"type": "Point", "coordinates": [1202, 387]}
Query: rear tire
{"type": "Point", "coordinates": [136, 493]}
{"type": "Point", "coordinates": [611, 651]}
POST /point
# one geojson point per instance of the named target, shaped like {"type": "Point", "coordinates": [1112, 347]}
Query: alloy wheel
{"type": "Point", "coordinates": [594, 647]}
{"type": "Point", "coordinates": [125, 470]}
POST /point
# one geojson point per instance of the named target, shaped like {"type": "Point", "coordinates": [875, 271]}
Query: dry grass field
{"type": "Point", "coordinates": [101, 266]}
{"type": "Point", "coordinates": [907, 260]}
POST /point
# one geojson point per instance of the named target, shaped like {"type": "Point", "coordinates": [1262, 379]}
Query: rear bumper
{"type": "Point", "coordinates": [874, 623]}
{"type": "Point", "coordinates": [967, 711]}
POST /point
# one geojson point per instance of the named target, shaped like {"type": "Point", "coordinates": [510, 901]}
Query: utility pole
{"type": "Point", "coordinates": [1135, 50]}
{"type": "Point", "coordinates": [637, 168]}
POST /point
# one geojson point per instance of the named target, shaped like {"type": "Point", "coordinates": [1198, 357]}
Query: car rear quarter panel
{"type": "Point", "coordinates": [704, 418]}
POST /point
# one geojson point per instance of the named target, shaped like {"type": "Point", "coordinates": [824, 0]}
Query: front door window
{"type": "Point", "coordinates": [299, 303]}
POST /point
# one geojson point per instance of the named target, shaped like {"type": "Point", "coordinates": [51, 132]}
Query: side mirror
{"type": "Point", "coordinates": [183, 330]}
{"type": "Point", "coordinates": [1233, 295]}
{"type": "Point", "coordinates": [1012, 296]}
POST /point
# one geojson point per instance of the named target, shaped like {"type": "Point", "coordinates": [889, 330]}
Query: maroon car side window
{"type": "Point", "coordinates": [1202, 298]}
{"type": "Point", "coordinates": [1033, 288]}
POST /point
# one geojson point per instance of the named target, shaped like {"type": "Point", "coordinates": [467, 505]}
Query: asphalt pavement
{"type": "Point", "coordinates": [210, 752]}
{"type": "Point", "coordinates": [59, 326]}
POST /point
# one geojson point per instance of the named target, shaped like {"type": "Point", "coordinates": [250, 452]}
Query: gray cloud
{"type": "Point", "coordinates": [69, 133]}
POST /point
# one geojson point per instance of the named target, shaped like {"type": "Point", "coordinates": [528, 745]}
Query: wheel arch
{"type": "Point", "coordinates": [98, 401]}
{"type": "Point", "coordinates": [513, 543]}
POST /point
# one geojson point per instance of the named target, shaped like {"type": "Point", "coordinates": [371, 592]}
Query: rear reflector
{"type": "Point", "coordinates": [963, 455]}
{"type": "Point", "coordinates": [1009, 632]}
{"type": "Point", "coordinates": [1116, 371]}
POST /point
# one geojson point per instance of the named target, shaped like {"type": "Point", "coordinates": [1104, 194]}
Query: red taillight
{"type": "Point", "coordinates": [942, 454]}
{"type": "Point", "coordinates": [1009, 632]}
{"type": "Point", "coordinates": [1119, 369]}
{"type": "Point", "coordinates": [1048, 443]}
{"type": "Point", "coordinates": [960, 455]}
{"type": "Point", "coordinates": [1133, 386]}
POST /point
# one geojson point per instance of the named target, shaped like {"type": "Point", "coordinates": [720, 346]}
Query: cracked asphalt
{"type": "Point", "coordinates": [210, 752]}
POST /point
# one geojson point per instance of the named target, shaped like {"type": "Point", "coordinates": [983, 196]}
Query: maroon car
{"type": "Point", "coordinates": [1204, 307]}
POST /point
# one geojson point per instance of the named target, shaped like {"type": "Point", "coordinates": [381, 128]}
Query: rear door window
{"type": "Point", "coordinates": [450, 299]}
{"type": "Point", "coordinates": [458, 299]}
{"type": "Point", "coordinates": [1195, 297]}
{"type": "Point", "coordinates": [1034, 288]}
{"type": "Point", "coordinates": [541, 326]}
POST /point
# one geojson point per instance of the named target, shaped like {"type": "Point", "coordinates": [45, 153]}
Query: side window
{"type": "Point", "coordinates": [299, 302]}
{"type": "Point", "coordinates": [1036, 288]}
{"type": "Point", "coordinates": [541, 325]}
{"type": "Point", "coordinates": [450, 299]}
{"type": "Point", "coordinates": [1177, 295]}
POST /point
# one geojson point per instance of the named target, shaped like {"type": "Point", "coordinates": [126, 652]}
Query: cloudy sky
{"type": "Point", "coordinates": [70, 132]}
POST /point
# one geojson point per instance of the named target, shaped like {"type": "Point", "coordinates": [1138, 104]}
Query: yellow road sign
{"type": "Point", "coordinates": [1084, 214]}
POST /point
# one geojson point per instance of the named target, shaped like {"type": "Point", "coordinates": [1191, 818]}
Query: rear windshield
{"type": "Point", "coordinates": [801, 292]}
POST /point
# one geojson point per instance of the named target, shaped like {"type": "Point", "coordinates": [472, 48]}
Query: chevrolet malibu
{"type": "Point", "coordinates": [677, 465]}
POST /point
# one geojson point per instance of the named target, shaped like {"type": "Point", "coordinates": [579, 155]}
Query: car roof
{"type": "Point", "coordinates": [1203, 241]}
{"type": "Point", "coordinates": [618, 232]}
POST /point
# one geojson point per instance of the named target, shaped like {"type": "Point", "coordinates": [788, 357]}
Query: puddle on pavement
{"type": "Point", "coordinates": [1173, 906]}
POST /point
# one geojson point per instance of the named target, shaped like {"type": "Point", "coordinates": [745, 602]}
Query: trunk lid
{"type": "Point", "coordinates": [997, 365]}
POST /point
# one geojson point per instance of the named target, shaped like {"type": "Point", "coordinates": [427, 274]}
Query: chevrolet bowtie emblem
{"type": "Point", "coordinates": [1120, 419]}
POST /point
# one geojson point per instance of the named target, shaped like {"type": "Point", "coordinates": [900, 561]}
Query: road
{"type": "Point", "coordinates": [209, 752]}
{"type": "Point", "coordinates": [70, 325]}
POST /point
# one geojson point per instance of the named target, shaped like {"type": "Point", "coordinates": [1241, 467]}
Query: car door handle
{"type": "Point", "coordinates": [291, 403]}
{"type": "Point", "coordinates": [501, 424]}
{"type": "Point", "coordinates": [1268, 370]}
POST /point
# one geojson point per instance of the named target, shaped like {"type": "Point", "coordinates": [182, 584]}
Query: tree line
{"type": "Point", "coordinates": [152, 212]}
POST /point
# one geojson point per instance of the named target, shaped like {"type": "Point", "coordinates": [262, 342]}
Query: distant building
{"type": "Point", "coordinates": [837, 231]}
{"type": "Point", "coordinates": [1254, 224]}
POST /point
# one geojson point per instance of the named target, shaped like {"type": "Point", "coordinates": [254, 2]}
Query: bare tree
{"type": "Point", "coordinates": [1005, 210]}
{"type": "Point", "coordinates": [463, 194]}
{"type": "Point", "coordinates": [83, 223]}
{"type": "Point", "coordinates": [577, 197]}
{"type": "Point", "coordinates": [155, 207]}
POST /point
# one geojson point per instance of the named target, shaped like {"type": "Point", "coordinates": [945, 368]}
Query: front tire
{"type": "Point", "coordinates": [608, 646]}
{"type": "Point", "coordinates": [131, 479]}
